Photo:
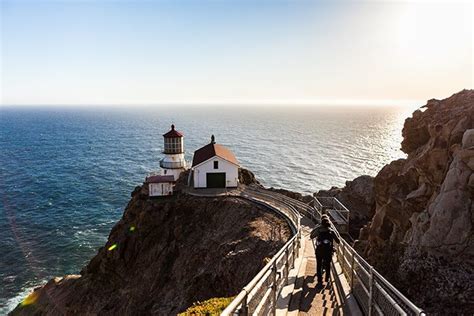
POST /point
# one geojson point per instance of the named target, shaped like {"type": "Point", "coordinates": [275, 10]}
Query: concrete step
{"type": "Point", "coordinates": [294, 282]}
{"type": "Point", "coordinates": [309, 298]}
{"type": "Point", "coordinates": [303, 296]}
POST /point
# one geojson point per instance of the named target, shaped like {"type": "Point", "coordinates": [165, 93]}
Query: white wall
{"type": "Point", "coordinates": [173, 161]}
{"type": "Point", "coordinates": [160, 189]}
{"type": "Point", "coordinates": [170, 162]}
{"type": "Point", "coordinates": [231, 170]}
{"type": "Point", "coordinates": [172, 172]}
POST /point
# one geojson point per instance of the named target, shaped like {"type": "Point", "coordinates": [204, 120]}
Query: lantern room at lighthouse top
{"type": "Point", "coordinates": [173, 142]}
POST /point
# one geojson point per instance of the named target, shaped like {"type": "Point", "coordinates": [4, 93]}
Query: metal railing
{"type": "Point", "coordinates": [259, 296]}
{"type": "Point", "coordinates": [302, 207]}
{"type": "Point", "coordinates": [318, 205]}
{"type": "Point", "coordinates": [332, 203]}
{"type": "Point", "coordinates": [375, 295]}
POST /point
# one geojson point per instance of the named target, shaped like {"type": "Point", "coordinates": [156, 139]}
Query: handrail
{"type": "Point", "coordinates": [371, 290]}
{"type": "Point", "coordinates": [258, 294]}
{"type": "Point", "coordinates": [318, 204]}
{"type": "Point", "coordinates": [330, 202]}
{"type": "Point", "coordinates": [309, 210]}
{"type": "Point", "coordinates": [239, 299]}
{"type": "Point", "coordinates": [257, 192]}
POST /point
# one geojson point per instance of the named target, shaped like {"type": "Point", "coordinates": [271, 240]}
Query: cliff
{"type": "Point", "coordinates": [165, 254]}
{"type": "Point", "coordinates": [421, 234]}
{"type": "Point", "coordinates": [358, 196]}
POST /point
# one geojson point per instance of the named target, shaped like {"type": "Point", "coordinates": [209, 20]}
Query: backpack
{"type": "Point", "coordinates": [324, 242]}
{"type": "Point", "coordinates": [314, 232]}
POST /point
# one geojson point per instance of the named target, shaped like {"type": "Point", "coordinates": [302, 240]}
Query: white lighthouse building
{"type": "Point", "coordinates": [172, 165]}
{"type": "Point", "coordinates": [173, 162]}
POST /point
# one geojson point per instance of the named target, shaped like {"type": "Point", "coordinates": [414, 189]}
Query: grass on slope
{"type": "Point", "coordinates": [213, 306]}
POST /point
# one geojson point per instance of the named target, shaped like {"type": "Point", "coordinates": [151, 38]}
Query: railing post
{"type": "Point", "coordinates": [274, 288]}
{"type": "Point", "coordinates": [299, 238]}
{"type": "Point", "coordinates": [343, 255]}
{"type": "Point", "coordinates": [371, 289]}
{"type": "Point", "coordinates": [287, 263]}
{"type": "Point", "coordinates": [294, 255]}
{"type": "Point", "coordinates": [352, 270]}
{"type": "Point", "coordinates": [245, 309]}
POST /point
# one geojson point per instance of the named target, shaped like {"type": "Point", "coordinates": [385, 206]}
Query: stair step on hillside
{"type": "Point", "coordinates": [294, 282]}
{"type": "Point", "coordinates": [308, 298]}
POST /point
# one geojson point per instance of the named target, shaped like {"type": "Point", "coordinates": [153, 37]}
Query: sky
{"type": "Point", "coordinates": [233, 51]}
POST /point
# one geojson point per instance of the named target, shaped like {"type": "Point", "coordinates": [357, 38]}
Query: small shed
{"type": "Point", "coordinates": [215, 166]}
{"type": "Point", "coordinates": [160, 185]}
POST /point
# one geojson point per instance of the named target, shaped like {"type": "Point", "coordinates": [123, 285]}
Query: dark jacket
{"type": "Point", "coordinates": [315, 232]}
{"type": "Point", "coordinates": [325, 241]}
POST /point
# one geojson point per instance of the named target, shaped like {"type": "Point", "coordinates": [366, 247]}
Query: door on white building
{"type": "Point", "coordinates": [215, 180]}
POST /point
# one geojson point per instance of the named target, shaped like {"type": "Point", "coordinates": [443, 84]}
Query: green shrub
{"type": "Point", "coordinates": [213, 306]}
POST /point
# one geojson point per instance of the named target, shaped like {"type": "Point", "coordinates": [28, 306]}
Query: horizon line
{"type": "Point", "coordinates": [230, 102]}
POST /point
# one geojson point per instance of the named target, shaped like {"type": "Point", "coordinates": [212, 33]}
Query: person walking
{"type": "Point", "coordinates": [325, 238]}
{"type": "Point", "coordinates": [315, 232]}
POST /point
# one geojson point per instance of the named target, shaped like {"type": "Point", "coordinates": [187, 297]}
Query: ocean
{"type": "Point", "coordinates": [66, 174]}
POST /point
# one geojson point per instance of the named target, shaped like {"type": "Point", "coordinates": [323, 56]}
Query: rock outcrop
{"type": "Point", "coordinates": [247, 177]}
{"type": "Point", "coordinates": [308, 199]}
{"type": "Point", "coordinates": [165, 254]}
{"type": "Point", "coordinates": [358, 196]}
{"type": "Point", "coordinates": [422, 233]}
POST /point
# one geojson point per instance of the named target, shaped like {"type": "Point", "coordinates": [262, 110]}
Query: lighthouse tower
{"type": "Point", "coordinates": [173, 162]}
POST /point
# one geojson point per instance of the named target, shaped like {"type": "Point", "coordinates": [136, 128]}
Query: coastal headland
{"type": "Point", "coordinates": [413, 221]}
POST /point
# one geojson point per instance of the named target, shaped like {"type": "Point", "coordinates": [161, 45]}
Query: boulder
{"type": "Point", "coordinates": [468, 139]}
{"type": "Point", "coordinates": [247, 177]}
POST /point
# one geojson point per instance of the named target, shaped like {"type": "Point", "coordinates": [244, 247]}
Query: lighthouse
{"type": "Point", "coordinates": [173, 162]}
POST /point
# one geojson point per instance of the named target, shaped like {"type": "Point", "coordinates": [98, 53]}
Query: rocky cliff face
{"type": "Point", "coordinates": [358, 196]}
{"type": "Point", "coordinates": [422, 233]}
{"type": "Point", "coordinates": [165, 254]}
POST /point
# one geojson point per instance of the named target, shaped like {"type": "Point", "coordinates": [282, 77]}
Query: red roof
{"type": "Point", "coordinates": [212, 150]}
{"type": "Point", "coordinates": [160, 179]}
{"type": "Point", "coordinates": [173, 133]}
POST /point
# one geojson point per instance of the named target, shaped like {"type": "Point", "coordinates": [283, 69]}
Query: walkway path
{"type": "Point", "coordinates": [298, 294]}
{"type": "Point", "coordinates": [308, 298]}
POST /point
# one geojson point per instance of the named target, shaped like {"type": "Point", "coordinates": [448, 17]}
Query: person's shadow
{"type": "Point", "coordinates": [310, 290]}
